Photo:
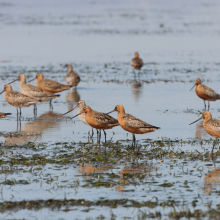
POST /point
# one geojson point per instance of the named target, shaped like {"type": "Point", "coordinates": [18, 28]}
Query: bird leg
{"type": "Point", "coordinates": [134, 74]}
{"type": "Point", "coordinates": [100, 134]}
{"type": "Point", "coordinates": [204, 104]}
{"type": "Point", "coordinates": [214, 143]}
{"type": "Point", "coordinates": [208, 105]}
{"type": "Point", "coordinates": [133, 141]}
{"type": "Point", "coordinates": [51, 106]}
{"type": "Point", "coordinates": [97, 135]}
{"type": "Point", "coordinates": [139, 75]}
{"type": "Point", "coordinates": [104, 134]}
{"type": "Point", "coordinates": [92, 132]}
{"type": "Point", "coordinates": [20, 113]}
{"type": "Point", "coordinates": [17, 114]}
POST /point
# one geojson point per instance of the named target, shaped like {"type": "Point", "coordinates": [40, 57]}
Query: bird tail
{"type": "Point", "coordinates": [7, 113]}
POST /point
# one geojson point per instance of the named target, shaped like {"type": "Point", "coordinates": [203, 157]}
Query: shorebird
{"type": "Point", "coordinates": [211, 125]}
{"type": "Point", "coordinates": [82, 115]}
{"type": "Point", "coordinates": [18, 100]}
{"type": "Point", "coordinates": [33, 91]}
{"type": "Point", "coordinates": [98, 120]}
{"type": "Point", "coordinates": [136, 62]}
{"type": "Point", "coordinates": [50, 85]}
{"type": "Point", "coordinates": [4, 115]}
{"type": "Point", "coordinates": [132, 124]}
{"type": "Point", "coordinates": [72, 78]}
{"type": "Point", "coordinates": [204, 92]}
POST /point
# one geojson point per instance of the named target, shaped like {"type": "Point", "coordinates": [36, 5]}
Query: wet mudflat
{"type": "Point", "coordinates": [51, 168]}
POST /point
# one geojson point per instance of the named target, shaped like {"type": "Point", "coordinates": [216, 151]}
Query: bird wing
{"type": "Point", "coordinates": [17, 97]}
{"type": "Point", "coordinates": [53, 84]}
{"type": "Point", "coordinates": [210, 92]}
{"type": "Point", "coordinates": [104, 118]}
{"type": "Point", "coordinates": [137, 62]}
{"type": "Point", "coordinates": [134, 122]}
{"type": "Point", "coordinates": [214, 125]}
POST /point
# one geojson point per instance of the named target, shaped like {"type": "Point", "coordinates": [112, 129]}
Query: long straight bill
{"type": "Point", "coordinates": [195, 121]}
{"type": "Point", "coordinates": [110, 112]}
{"type": "Point", "coordinates": [2, 92]}
{"type": "Point", "coordinates": [192, 87]}
{"type": "Point", "coordinates": [70, 110]}
{"type": "Point", "coordinates": [13, 81]}
{"type": "Point", "coordinates": [77, 115]}
{"type": "Point", "coordinates": [31, 80]}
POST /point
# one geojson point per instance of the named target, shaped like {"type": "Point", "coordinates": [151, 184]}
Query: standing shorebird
{"type": "Point", "coordinates": [50, 85]}
{"type": "Point", "coordinates": [98, 120]}
{"type": "Point", "coordinates": [18, 100]}
{"type": "Point", "coordinates": [4, 115]}
{"type": "Point", "coordinates": [211, 125]}
{"type": "Point", "coordinates": [72, 78]}
{"type": "Point", "coordinates": [136, 63]}
{"type": "Point", "coordinates": [132, 124]}
{"type": "Point", "coordinates": [33, 91]}
{"type": "Point", "coordinates": [82, 115]}
{"type": "Point", "coordinates": [204, 92]}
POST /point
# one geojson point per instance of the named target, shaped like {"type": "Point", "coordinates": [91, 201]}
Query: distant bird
{"type": "Point", "coordinates": [98, 120]}
{"type": "Point", "coordinates": [72, 78]}
{"type": "Point", "coordinates": [136, 63]}
{"type": "Point", "coordinates": [33, 91]}
{"type": "Point", "coordinates": [17, 99]}
{"type": "Point", "coordinates": [204, 92]}
{"type": "Point", "coordinates": [4, 115]}
{"type": "Point", "coordinates": [211, 125]}
{"type": "Point", "coordinates": [132, 124]}
{"type": "Point", "coordinates": [50, 85]}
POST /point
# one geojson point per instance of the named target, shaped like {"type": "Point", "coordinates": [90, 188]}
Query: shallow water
{"type": "Point", "coordinates": [99, 39]}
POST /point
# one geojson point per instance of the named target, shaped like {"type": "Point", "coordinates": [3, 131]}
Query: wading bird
{"type": "Point", "coordinates": [72, 78]}
{"type": "Point", "coordinates": [18, 100]}
{"type": "Point", "coordinates": [204, 92]}
{"type": "Point", "coordinates": [211, 125]}
{"type": "Point", "coordinates": [132, 124]}
{"type": "Point", "coordinates": [82, 115]}
{"type": "Point", "coordinates": [98, 120]}
{"type": "Point", "coordinates": [33, 91]}
{"type": "Point", "coordinates": [136, 63]}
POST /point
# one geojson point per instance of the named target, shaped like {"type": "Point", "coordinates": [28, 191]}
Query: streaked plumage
{"type": "Point", "coordinates": [205, 93]}
{"type": "Point", "coordinates": [211, 125]}
{"type": "Point", "coordinates": [99, 120]}
{"type": "Point", "coordinates": [132, 124]}
{"type": "Point", "coordinates": [33, 91]}
{"type": "Point", "coordinates": [72, 78]}
{"type": "Point", "coordinates": [18, 99]}
{"type": "Point", "coordinates": [50, 85]}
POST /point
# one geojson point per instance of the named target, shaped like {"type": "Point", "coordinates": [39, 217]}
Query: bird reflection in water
{"type": "Point", "coordinates": [88, 168]}
{"type": "Point", "coordinates": [123, 176]}
{"type": "Point", "coordinates": [137, 87]}
{"type": "Point", "coordinates": [32, 130]}
{"type": "Point", "coordinates": [72, 97]}
{"type": "Point", "coordinates": [211, 181]}
{"type": "Point", "coordinates": [200, 131]}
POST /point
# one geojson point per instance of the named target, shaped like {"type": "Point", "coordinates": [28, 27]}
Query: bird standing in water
{"type": "Point", "coordinates": [72, 78]}
{"type": "Point", "coordinates": [211, 125]}
{"type": "Point", "coordinates": [99, 120]}
{"type": "Point", "coordinates": [33, 91]}
{"type": "Point", "coordinates": [204, 92]}
{"type": "Point", "coordinates": [136, 63]}
{"type": "Point", "coordinates": [132, 124]}
{"type": "Point", "coordinates": [17, 99]}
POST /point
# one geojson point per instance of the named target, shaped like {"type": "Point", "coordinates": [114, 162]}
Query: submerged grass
{"type": "Point", "coordinates": [109, 165]}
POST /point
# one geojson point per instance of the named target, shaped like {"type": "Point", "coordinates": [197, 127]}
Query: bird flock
{"type": "Point", "coordinates": [46, 89]}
